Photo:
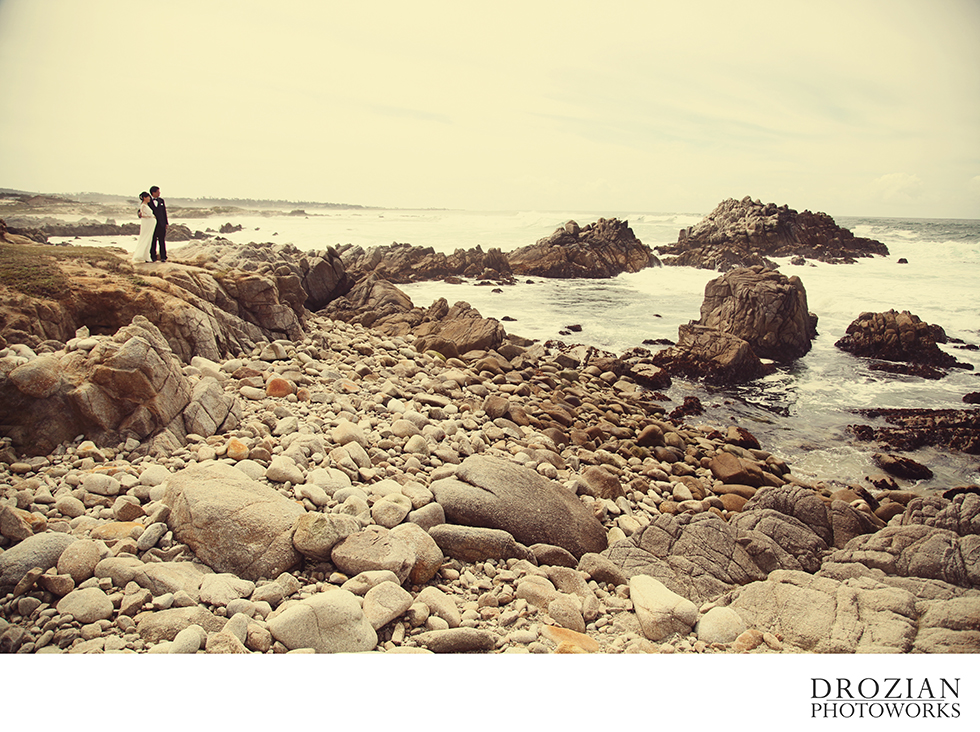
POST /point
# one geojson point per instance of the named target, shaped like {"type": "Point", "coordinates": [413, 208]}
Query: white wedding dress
{"type": "Point", "coordinates": [148, 223]}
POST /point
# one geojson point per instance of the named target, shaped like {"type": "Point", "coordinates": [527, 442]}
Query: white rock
{"type": "Point", "coordinates": [385, 602]}
{"type": "Point", "coordinates": [329, 622]}
{"type": "Point", "coordinates": [660, 611]}
{"type": "Point", "coordinates": [720, 625]}
{"type": "Point", "coordinates": [283, 469]}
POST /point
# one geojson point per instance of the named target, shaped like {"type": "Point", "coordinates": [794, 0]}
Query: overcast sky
{"type": "Point", "coordinates": [852, 108]}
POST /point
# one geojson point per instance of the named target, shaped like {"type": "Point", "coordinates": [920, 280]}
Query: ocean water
{"type": "Point", "coordinates": [800, 412]}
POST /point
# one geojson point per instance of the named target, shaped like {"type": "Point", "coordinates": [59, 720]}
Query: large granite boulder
{"type": "Point", "coordinates": [126, 385]}
{"type": "Point", "coordinates": [232, 523]}
{"type": "Point", "coordinates": [41, 550]}
{"type": "Point", "coordinates": [602, 249]}
{"type": "Point", "coordinates": [917, 550]}
{"type": "Point", "coordinates": [823, 615]}
{"type": "Point", "coordinates": [376, 302]}
{"type": "Point", "coordinates": [458, 329]}
{"type": "Point", "coordinates": [498, 494]}
{"type": "Point", "coordinates": [960, 514]}
{"type": "Point", "coordinates": [747, 233]}
{"type": "Point", "coordinates": [899, 338]}
{"type": "Point", "coordinates": [763, 307]}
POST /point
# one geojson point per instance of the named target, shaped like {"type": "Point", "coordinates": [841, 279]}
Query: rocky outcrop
{"type": "Point", "coordinates": [200, 313]}
{"type": "Point", "coordinates": [451, 331]}
{"type": "Point", "coordinates": [602, 249]}
{"type": "Point", "coordinates": [748, 233]}
{"type": "Point", "coordinates": [900, 338]}
{"type": "Point", "coordinates": [458, 329]}
{"type": "Point", "coordinates": [127, 386]}
{"type": "Point", "coordinates": [320, 274]}
{"type": "Point", "coordinates": [763, 307]}
{"type": "Point", "coordinates": [401, 263]}
{"type": "Point", "coordinates": [747, 314]}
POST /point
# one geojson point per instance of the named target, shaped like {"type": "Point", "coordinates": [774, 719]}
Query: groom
{"type": "Point", "coordinates": [160, 232]}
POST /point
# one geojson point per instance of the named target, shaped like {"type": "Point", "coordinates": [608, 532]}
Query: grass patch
{"type": "Point", "coordinates": [36, 270]}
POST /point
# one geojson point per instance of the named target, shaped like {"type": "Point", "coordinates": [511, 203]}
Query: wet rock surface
{"type": "Point", "coordinates": [900, 338]}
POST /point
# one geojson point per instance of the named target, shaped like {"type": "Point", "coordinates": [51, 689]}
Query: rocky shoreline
{"type": "Point", "coordinates": [259, 454]}
{"type": "Point", "coordinates": [372, 497]}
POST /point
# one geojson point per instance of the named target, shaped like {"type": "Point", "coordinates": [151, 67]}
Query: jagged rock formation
{"type": "Point", "coordinates": [401, 263]}
{"type": "Point", "coordinates": [603, 249]}
{"type": "Point", "coordinates": [900, 338]}
{"type": "Point", "coordinates": [110, 388]}
{"type": "Point", "coordinates": [320, 274]}
{"type": "Point", "coordinates": [199, 314]}
{"type": "Point", "coordinates": [374, 302]}
{"type": "Point", "coordinates": [747, 233]}
{"type": "Point", "coordinates": [764, 308]}
{"type": "Point", "coordinates": [712, 355]}
{"type": "Point", "coordinates": [747, 314]}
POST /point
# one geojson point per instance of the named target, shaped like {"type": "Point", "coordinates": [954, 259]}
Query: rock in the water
{"type": "Point", "coordinates": [763, 307]}
{"type": "Point", "coordinates": [499, 494]}
{"type": "Point", "coordinates": [603, 249]}
{"type": "Point", "coordinates": [898, 337]}
{"type": "Point", "coordinates": [746, 233]}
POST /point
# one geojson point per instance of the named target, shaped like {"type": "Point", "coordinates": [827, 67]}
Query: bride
{"type": "Point", "coordinates": [148, 223]}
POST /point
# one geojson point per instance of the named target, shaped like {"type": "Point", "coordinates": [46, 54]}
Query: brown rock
{"type": "Point", "coordinates": [278, 388]}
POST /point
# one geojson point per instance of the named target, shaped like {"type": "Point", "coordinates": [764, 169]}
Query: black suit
{"type": "Point", "coordinates": [160, 233]}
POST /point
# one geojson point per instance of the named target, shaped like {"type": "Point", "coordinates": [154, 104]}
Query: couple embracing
{"type": "Point", "coordinates": [153, 227]}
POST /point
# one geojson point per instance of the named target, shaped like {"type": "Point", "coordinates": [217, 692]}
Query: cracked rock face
{"type": "Point", "coordinates": [697, 556]}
